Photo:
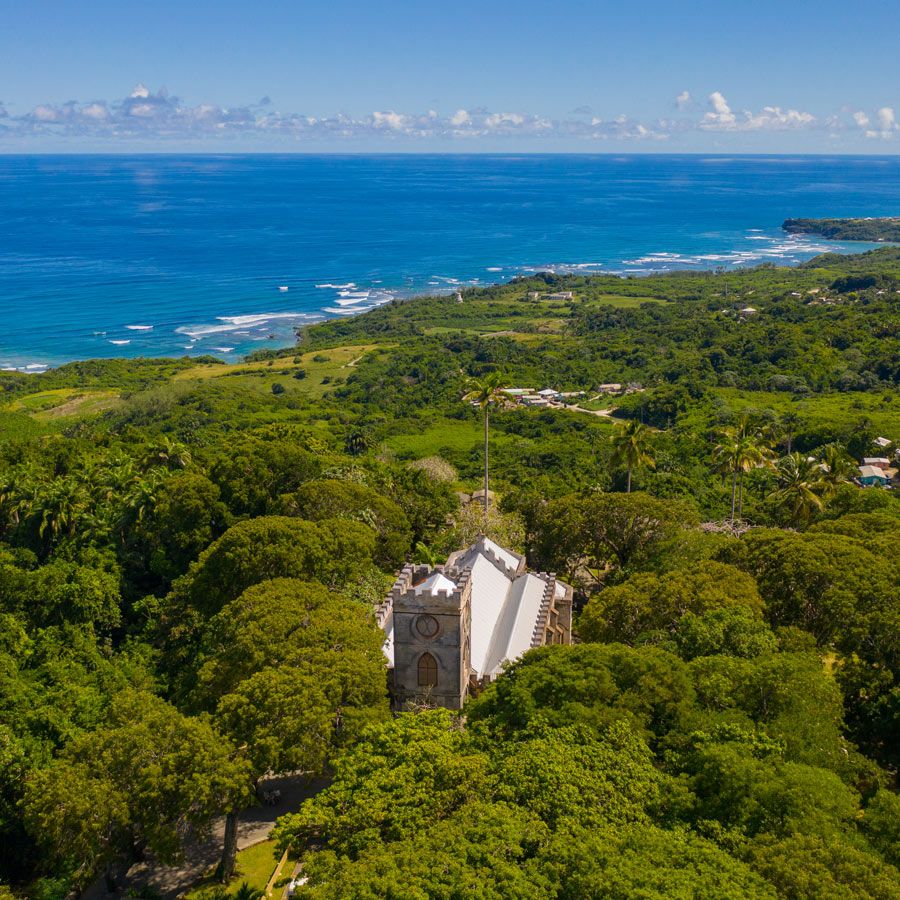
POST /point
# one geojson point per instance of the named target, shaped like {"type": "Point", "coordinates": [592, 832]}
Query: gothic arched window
{"type": "Point", "coordinates": [428, 671]}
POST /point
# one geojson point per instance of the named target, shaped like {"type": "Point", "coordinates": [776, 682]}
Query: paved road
{"type": "Point", "coordinates": [254, 826]}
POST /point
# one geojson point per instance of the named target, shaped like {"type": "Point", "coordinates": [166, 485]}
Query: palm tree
{"type": "Point", "coordinates": [740, 449]}
{"type": "Point", "coordinates": [632, 448]}
{"type": "Point", "coordinates": [789, 422]}
{"type": "Point", "coordinates": [61, 503]}
{"type": "Point", "coordinates": [245, 892]}
{"type": "Point", "coordinates": [169, 453]}
{"type": "Point", "coordinates": [485, 393]}
{"type": "Point", "coordinates": [836, 466]}
{"type": "Point", "coordinates": [357, 442]}
{"type": "Point", "coordinates": [801, 486]}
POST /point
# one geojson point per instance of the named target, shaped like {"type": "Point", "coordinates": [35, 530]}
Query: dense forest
{"type": "Point", "coordinates": [876, 229]}
{"type": "Point", "coordinates": [190, 553]}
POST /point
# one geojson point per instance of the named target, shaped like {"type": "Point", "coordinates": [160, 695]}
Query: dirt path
{"type": "Point", "coordinates": [606, 413]}
{"type": "Point", "coordinates": [254, 826]}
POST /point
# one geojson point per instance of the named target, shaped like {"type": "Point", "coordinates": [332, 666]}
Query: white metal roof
{"type": "Point", "coordinates": [436, 581]}
{"type": "Point", "coordinates": [872, 472]}
{"type": "Point", "coordinates": [489, 590]}
{"type": "Point", "coordinates": [515, 625]}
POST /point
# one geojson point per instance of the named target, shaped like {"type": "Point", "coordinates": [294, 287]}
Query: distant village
{"type": "Point", "coordinates": [880, 471]}
{"type": "Point", "coordinates": [551, 398]}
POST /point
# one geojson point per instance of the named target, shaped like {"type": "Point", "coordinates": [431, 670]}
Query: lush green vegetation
{"type": "Point", "coordinates": [883, 229]}
{"type": "Point", "coordinates": [190, 553]}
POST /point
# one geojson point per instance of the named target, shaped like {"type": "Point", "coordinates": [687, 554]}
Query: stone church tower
{"type": "Point", "coordinates": [432, 621]}
{"type": "Point", "coordinates": [449, 629]}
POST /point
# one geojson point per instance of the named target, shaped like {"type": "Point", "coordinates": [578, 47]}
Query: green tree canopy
{"type": "Point", "coordinates": [332, 551]}
{"type": "Point", "coordinates": [146, 779]}
{"type": "Point", "coordinates": [590, 684]}
{"type": "Point", "coordinates": [647, 602]}
{"type": "Point", "coordinates": [330, 499]}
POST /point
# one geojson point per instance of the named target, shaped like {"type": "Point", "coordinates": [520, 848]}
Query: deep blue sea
{"type": "Point", "coordinates": [173, 255]}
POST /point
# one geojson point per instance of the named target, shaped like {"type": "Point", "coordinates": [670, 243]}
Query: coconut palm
{"type": "Point", "coordinates": [632, 448]}
{"type": "Point", "coordinates": [740, 449]}
{"type": "Point", "coordinates": [245, 892]}
{"type": "Point", "coordinates": [485, 393]}
{"type": "Point", "coordinates": [801, 487]}
{"type": "Point", "coordinates": [60, 504]}
{"type": "Point", "coordinates": [169, 453]}
{"type": "Point", "coordinates": [836, 466]}
{"type": "Point", "coordinates": [357, 442]}
{"type": "Point", "coordinates": [789, 422]}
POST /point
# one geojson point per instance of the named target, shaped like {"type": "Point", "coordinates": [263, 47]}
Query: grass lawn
{"type": "Point", "coordinates": [323, 368]}
{"type": "Point", "coordinates": [440, 437]}
{"type": "Point", "coordinates": [255, 865]}
{"type": "Point", "coordinates": [64, 402]}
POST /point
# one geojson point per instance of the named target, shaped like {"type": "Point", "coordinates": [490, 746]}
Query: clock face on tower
{"type": "Point", "coordinates": [427, 626]}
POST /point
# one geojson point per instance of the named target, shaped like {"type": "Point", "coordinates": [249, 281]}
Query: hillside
{"type": "Point", "coordinates": [878, 229]}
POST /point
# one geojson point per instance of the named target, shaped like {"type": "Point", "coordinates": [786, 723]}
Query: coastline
{"type": "Point", "coordinates": [277, 330]}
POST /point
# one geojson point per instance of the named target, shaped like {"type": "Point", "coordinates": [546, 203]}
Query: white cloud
{"type": "Point", "coordinates": [721, 115]}
{"type": "Point", "coordinates": [886, 119]}
{"type": "Point", "coordinates": [884, 127]}
{"type": "Point", "coordinates": [769, 118]}
{"type": "Point", "coordinates": [774, 118]}
{"type": "Point", "coordinates": [45, 114]}
{"type": "Point", "coordinates": [95, 111]}
{"type": "Point", "coordinates": [390, 119]}
{"type": "Point", "coordinates": [147, 115]}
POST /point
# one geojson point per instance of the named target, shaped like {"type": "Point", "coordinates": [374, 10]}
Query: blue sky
{"type": "Point", "coordinates": [352, 76]}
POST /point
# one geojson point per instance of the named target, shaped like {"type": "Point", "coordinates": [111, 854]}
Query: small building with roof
{"type": "Point", "coordinates": [873, 476]}
{"type": "Point", "coordinates": [450, 629]}
{"type": "Point", "coordinates": [879, 462]}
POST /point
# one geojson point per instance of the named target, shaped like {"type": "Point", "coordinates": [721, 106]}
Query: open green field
{"type": "Point", "coordinates": [64, 402]}
{"type": "Point", "coordinates": [322, 370]}
{"type": "Point", "coordinates": [441, 438]}
{"type": "Point", "coordinates": [823, 410]}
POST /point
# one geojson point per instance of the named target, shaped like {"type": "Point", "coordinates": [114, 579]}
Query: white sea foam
{"type": "Point", "coordinates": [494, 269]}
{"type": "Point", "coordinates": [337, 311]}
{"type": "Point", "coordinates": [120, 343]}
{"type": "Point", "coordinates": [359, 295]}
{"type": "Point", "coordinates": [338, 287]}
{"type": "Point", "coordinates": [139, 327]}
{"type": "Point", "coordinates": [238, 323]}
{"type": "Point", "coordinates": [223, 349]}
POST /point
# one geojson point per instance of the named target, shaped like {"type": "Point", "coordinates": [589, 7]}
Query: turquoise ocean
{"type": "Point", "coordinates": [106, 256]}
